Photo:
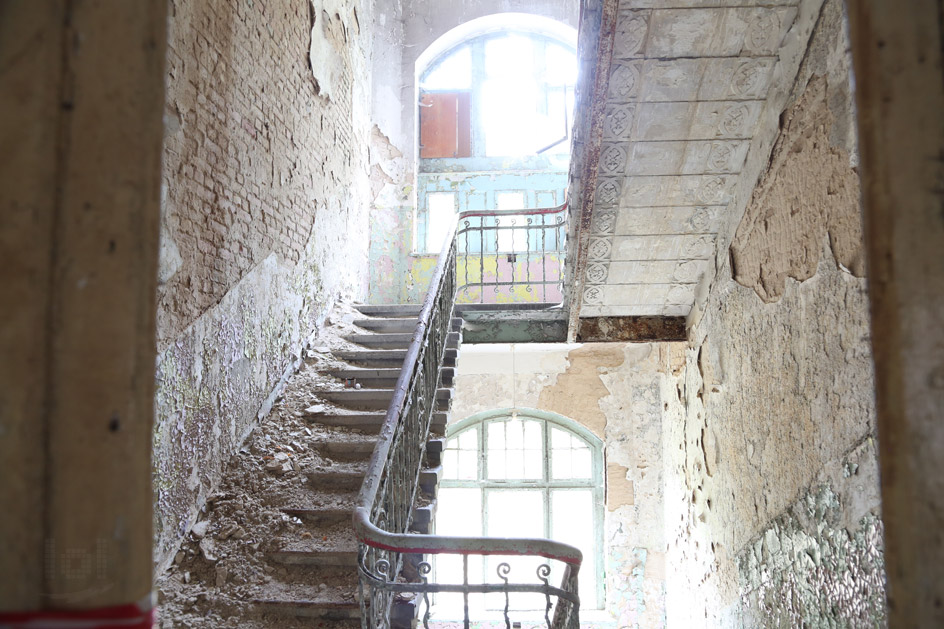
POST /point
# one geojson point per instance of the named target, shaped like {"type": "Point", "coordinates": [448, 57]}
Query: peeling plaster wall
{"type": "Point", "coordinates": [264, 220]}
{"type": "Point", "coordinates": [614, 390]}
{"type": "Point", "coordinates": [771, 480]}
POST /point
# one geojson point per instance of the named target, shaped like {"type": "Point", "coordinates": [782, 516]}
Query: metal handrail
{"type": "Point", "coordinates": [528, 264]}
{"type": "Point", "coordinates": [375, 536]}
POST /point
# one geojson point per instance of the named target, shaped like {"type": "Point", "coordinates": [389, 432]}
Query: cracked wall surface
{"type": "Point", "coordinates": [264, 220]}
{"type": "Point", "coordinates": [612, 389]}
{"type": "Point", "coordinates": [771, 494]}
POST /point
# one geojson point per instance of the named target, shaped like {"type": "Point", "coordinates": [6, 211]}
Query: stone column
{"type": "Point", "coordinates": [897, 53]}
{"type": "Point", "coordinates": [81, 103]}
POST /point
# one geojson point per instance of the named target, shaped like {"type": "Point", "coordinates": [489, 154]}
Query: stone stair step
{"type": "Point", "coordinates": [389, 310]}
{"type": "Point", "coordinates": [394, 341]}
{"type": "Point", "coordinates": [336, 480]}
{"type": "Point", "coordinates": [375, 399]}
{"type": "Point", "coordinates": [434, 450]}
{"type": "Point", "coordinates": [423, 517]}
{"type": "Point", "coordinates": [401, 325]}
{"type": "Point", "coordinates": [429, 480]}
{"type": "Point", "coordinates": [347, 558]}
{"type": "Point", "coordinates": [321, 517]}
{"type": "Point", "coordinates": [360, 448]}
{"type": "Point", "coordinates": [383, 378]}
{"type": "Point", "coordinates": [386, 357]}
{"type": "Point", "coordinates": [324, 610]}
{"type": "Point", "coordinates": [370, 423]}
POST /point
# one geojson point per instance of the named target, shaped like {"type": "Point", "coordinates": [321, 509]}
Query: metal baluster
{"type": "Point", "coordinates": [527, 254]}
{"type": "Point", "coordinates": [467, 223]}
{"type": "Point", "coordinates": [465, 590]}
{"type": "Point", "coordinates": [482, 259]}
{"type": "Point", "coordinates": [544, 572]}
{"type": "Point", "coordinates": [543, 258]}
{"type": "Point", "coordinates": [497, 253]}
{"type": "Point", "coordinates": [503, 570]}
{"type": "Point", "coordinates": [424, 569]}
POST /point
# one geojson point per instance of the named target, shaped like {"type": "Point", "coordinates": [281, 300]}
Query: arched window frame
{"type": "Point", "coordinates": [446, 185]}
{"type": "Point", "coordinates": [595, 483]}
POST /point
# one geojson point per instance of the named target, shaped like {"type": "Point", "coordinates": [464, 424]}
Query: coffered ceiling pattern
{"type": "Point", "coordinates": [686, 88]}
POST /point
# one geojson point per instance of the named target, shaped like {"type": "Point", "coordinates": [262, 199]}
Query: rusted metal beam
{"type": "Point", "coordinates": [628, 329]}
{"type": "Point", "coordinates": [595, 49]}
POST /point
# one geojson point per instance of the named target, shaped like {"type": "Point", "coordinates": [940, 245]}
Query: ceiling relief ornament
{"type": "Point", "coordinates": [599, 249]}
{"type": "Point", "coordinates": [734, 121]}
{"type": "Point", "coordinates": [596, 273]}
{"type": "Point", "coordinates": [593, 295]}
{"type": "Point", "coordinates": [761, 32]}
{"type": "Point", "coordinates": [701, 220]}
{"type": "Point", "coordinates": [747, 78]}
{"type": "Point", "coordinates": [608, 192]}
{"type": "Point", "coordinates": [624, 81]}
{"type": "Point", "coordinates": [719, 157]}
{"type": "Point", "coordinates": [712, 191]}
{"type": "Point", "coordinates": [619, 121]}
{"type": "Point", "coordinates": [631, 32]}
{"type": "Point", "coordinates": [686, 272]}
{"type": "Point", "coordinates": [604, 222]}
{"type": "Point", "coordinates": [698, 249]}
{"type": "Point", "coordinates": [613, 159]}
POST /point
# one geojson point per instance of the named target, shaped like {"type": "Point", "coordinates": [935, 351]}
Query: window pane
{"type": "Point", "coordinates": [468, 465]}
{"type": "Point", "coordinates": [450, 464]}
{"type": "Point", "coordinates": [572, 523]}
{"type": "Point", "coordinates": [580, 468]}
{"type": "Point", "coordinates": [509, 57]}
{"type": "Point", "coordinates": [560, 464]}
{"type": "Point", "coordinates": [459, 511]}
{"type": "Point", "coordinates": [441, 208]}
{"type": "Point", "coordinates": [468, 440]}
{"type": "Point", "coordinates": [516, 513]}
{"type": "Point", "coordinates": [559, 438]}
{"type": "Point", "coordinates": [533, 468]}
{"type": "Point", "coordinates": [496, 435]}
{"type": "Point", "coordinates": [452, 73]}
{"type": "Point", "coordinates": [496, 465]}
{"type": "Point", "coordinates": [514, 431]}
{"type": "Point", "coordinates": [561, 65]}
{"type": "Point", "coordinates": [532, 435]}
{"type": "Point", "coordinates": [508, 109]}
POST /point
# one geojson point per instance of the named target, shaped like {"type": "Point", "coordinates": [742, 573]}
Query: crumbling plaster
{"type": "Point", "coordinates": [614, 390]}
{"type": "Point", "coordinates": [771, 480]}
{"type": "Point", "coordinates": [264, 211]}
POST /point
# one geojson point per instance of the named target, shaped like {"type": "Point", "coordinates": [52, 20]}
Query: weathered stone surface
{"type": "Point", "coordinates": [772, 495]}
{"type": "Point", "coordinates": [817, 183]}
{"type": "Point", "coordinates": [265, 207]}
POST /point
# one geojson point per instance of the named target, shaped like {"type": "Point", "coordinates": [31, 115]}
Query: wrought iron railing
{"type": "Point", "coordinates": [511, 255]}
{"type": "Point", "coordinates": [383, 513]}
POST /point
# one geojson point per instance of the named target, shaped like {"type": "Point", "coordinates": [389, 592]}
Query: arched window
{"type": "Point", "coordinates": [495, 106]}
{"type": "Point", "coordinates": [524, 473]}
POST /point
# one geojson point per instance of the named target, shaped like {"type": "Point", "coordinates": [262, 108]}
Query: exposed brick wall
{"type": "Point", "coordinates": [252, 152]}
{"type": "Point", "coordinates": [265, 215]}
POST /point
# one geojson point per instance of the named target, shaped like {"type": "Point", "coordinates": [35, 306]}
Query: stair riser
{"type": "Point", "coordinates": [334, 482]}
{"type": "Point", "coordinates": [288, 608]}
{"type": "Point", "coordinates": [394, 341]}
{"type": "Point", "coordinates": [332, 559]}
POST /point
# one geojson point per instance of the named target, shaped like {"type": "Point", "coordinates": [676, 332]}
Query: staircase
{"type": "Point", "coordinates": [328, 554]}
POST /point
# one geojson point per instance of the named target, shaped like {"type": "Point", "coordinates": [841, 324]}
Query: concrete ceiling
{"type": "Point", "coordinates": [687, 86]}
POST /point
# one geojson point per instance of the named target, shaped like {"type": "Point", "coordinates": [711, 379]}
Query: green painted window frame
{"type": "Point", "coordinates": [595, 483]}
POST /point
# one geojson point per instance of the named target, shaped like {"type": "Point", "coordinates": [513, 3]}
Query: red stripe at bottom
{"type": "Point", "coordinates": [119, 617]}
